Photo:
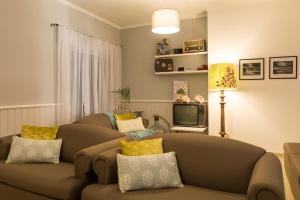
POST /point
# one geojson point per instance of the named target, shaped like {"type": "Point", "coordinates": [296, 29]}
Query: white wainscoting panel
{"type": "Point", "coordinates": [13, 117]}
{"type": "Point", "coordinates": [150, 107]}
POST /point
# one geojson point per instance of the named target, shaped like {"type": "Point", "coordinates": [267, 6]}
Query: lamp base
{"type": "Point", "coordinates": [223, 134]}
{"type": "Point", "coordinates": [222, 103]}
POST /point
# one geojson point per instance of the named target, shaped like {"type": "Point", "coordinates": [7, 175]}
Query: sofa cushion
{"type": "Point", "coordinates": [39, 132]}
{"type": "Point", "coordinates": [213, 162]}
{"type": "Point", "coordinates": [125, 116]}
{"type": "Point", "coordinates": [12, 193]}
{"type": "Point", "coordinates": [125, 126]}
{"type": "Point", "coordinates": [52, 180]}
{"type": "Point", "coordinates": [292, 168]}
{"type": "Point", "coordinates": [141, 147]}
{"type": "Point", "coordinates": [112, 192]}
{"type": "Point", "coordinates": [149, 171]}
{"type": "Point", "coordinates": [295, 162]}
{"type": "Point", "coordinates": [292, 148]}
{"type": "Point", "coordinates": [25, 150]}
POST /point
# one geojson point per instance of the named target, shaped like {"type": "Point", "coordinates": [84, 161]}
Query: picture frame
{"type": "Point", "coordinates": [180, 90]}
{"type": "Point", "coordinates": [252, 69]}
{"type": "Point", "coordinates": [283, 67]}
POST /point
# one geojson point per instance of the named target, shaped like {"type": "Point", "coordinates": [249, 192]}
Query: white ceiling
{"type": "Point", "coordinates": [131, 13]}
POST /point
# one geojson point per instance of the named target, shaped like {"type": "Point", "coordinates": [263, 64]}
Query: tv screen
{"type": "Point", "coordinates": [185, 114]}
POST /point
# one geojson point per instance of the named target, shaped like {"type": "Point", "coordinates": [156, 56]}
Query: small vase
{"type": "Point", "coordinates": [157, 127]}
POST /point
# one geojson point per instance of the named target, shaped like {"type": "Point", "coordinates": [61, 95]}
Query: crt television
{"type": "Point", "coordinates": [190, 114]}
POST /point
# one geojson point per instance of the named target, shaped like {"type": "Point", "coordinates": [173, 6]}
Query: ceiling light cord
{"type": "Point", "coordinates": [163, 4]}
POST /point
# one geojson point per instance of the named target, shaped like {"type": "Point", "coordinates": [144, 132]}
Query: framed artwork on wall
{"type": "Point", "coordinates": [180, 90]}
{"type": "Point", "coordinates": [284, 67]}
{"type": "Point", "coordinates": [252, 69]}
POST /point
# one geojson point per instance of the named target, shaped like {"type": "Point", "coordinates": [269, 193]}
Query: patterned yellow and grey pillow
{"type": "Point", "coordinates": [142, 147]}
{"type": "Point", "coordinates": [25, 150]}
{"type": "Point", "coordinates": [148, 172]}
{"type": "Point", "coordinates": [39, 132]}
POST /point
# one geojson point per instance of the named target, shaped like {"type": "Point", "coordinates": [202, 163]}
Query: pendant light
{"type": "Point", "coordinates": [165, 21]}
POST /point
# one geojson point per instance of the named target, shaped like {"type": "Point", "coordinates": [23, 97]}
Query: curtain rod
{"type": "Point", "coordinates": [56, 25]}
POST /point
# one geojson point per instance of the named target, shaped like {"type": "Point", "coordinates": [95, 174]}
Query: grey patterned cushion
{"type": "Point", "coordinates": [150, 171]}
{"type": "Point", "coordinates": [25, 150]}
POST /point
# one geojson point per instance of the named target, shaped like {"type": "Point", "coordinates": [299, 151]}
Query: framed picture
{"type": "Point", "coordinates": [283, 67]}
{"type": "Point", "coordinates": [180, 89]}
{"type": "Point", "coordinates": [252, 69]}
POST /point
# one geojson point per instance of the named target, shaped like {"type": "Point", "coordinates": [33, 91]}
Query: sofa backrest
{"type": "Point", "coordinates": [79, 136]}
{"type": "Point", "coordinates": [100, 119]}
{"type": "Point", "coordinates": [213, 162]}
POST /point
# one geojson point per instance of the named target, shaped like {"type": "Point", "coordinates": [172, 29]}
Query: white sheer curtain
{"type": "Point", "coordinates": [89, 70]}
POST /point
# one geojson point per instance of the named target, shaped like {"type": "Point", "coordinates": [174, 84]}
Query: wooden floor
{"type": "Point", "coordinates": [288, 192]}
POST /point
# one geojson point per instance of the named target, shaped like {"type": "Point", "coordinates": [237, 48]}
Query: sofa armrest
{"type": "Point", "coordinates": [83, 160]}
{"type": "Point", "coordinates": [266, 182]}
{"type": "Point", "coordinates": [78, 136]}
{"type": "Point", "coordinates": [5, 143]}
{"type": "Point", "coordinates": [105, 166]}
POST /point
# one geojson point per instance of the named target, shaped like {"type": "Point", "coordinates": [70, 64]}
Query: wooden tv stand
{"type": "Point", "coordinates": [179, 129]}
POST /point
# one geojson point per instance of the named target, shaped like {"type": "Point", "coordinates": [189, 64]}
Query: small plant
{"type": "Point", "coordinates": [181, 91]}
{"type": "Point", "coordinates": [162, 47]}
{"type": "Point", "coordinates": [125, 93]}
{"type": "Point", "coordinates": [125, 97]}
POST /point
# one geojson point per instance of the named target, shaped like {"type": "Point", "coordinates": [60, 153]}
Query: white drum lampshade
{"type": "Point", "coordinates": [165, 21]}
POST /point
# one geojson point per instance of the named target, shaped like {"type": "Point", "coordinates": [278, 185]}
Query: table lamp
{"type": "Point", "coordinates": [222, 77]}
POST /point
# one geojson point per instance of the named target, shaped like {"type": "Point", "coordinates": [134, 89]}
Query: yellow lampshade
{"type": "Point", "coordinates": [222, 76]}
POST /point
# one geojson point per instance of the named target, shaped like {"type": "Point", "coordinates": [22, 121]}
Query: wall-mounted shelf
{"type": "Point", "coordinates": [182, 54]}
{"type": "Point", "coordinates": [182, 72]}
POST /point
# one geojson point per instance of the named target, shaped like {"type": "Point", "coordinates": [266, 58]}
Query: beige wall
{"type": "Point", "coordinates": [28, 47]}
{"type": "Point", "coordinates": [139, 46]}
{"type": "Point", "coordinates": [264, 113]}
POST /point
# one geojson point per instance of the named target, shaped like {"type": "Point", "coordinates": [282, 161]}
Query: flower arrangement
{"type": "Point", "coordinates": [181, 91]}
{"type": "Point", "coordinates": [162, 47]}
{"type": "Point", "coordinates": [125, 103]}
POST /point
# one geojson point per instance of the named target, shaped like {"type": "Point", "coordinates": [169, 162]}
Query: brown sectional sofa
{"type": "Point", "coordinates": [211, 168]}
{"type": "Point", "coordinates": [292, 166]}
{"type": "Point", "coordinates": [81, 142]}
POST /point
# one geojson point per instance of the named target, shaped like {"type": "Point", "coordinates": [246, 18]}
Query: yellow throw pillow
{"type": "Point", "coordinates": [143, 147]}
{"type": "Point", "coordinates": [39, 133]}
{"type": "Point", "coordinates": [125, 116]}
